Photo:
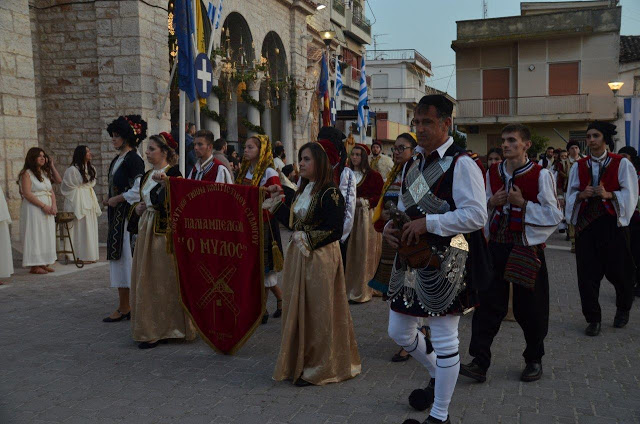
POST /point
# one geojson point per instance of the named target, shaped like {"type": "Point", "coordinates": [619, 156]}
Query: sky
{"type": "Point", "coordinates": [429, 26]}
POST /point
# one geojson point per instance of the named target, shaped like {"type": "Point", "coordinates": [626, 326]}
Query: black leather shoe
{"type": "Point", "coordinates": [421, 399]}
{"type": "Point", "coordinates": [473, 370]}
{"type": "Point", "coordinates": [122, 316]}
{"type": "Point", "coordinates": [431, 420]}
{"type": "Point", "coordinates": [532, 372]}
{"type": "Point", "coordinates": [302, 383]}
{"type": "Point", "coordinates": [277, 313]}
{"type": "Point", "coordinates": [148, 345]}
{"type": "Point", "coordinates": [593, 329]}
{"type": "Point", "coordinates": [621, 319]}
{"type": "Point", "coordinates": [398, 357]}
{"type": "Point", "coordinates": [265, 317]}
{"type": "Point", "coordinates": [410, 421]}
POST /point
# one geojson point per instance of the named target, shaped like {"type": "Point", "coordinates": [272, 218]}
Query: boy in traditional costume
{"type": "Point", "coordinates": [523, 213]}
{"type": "Point", "coordinates": [601, 198]}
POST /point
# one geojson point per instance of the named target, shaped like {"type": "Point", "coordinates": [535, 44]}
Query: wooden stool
{"type": "Point", "coordinates": [62, 222]}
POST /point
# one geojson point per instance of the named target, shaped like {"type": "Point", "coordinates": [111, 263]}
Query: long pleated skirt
{"type": "Point", "coordinates": [156, 312]}
{"type": "Point", "coordinates": [363, 254]}
{"type": "Point", "coordinates": [318, 342]}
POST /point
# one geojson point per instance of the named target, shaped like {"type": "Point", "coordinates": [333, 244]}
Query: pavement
{"type": "Point", "coordinates": [59, 363]}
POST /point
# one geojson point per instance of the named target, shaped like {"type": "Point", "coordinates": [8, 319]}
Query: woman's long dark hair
{"type": "Point", "coordinates": [324, 173]}
{"type": "Point", "coordinates": [364, 160]}
{"type": "Point", "coordinates": [31, 164]}
{"type": "Point", "coordinates": [87, 170]}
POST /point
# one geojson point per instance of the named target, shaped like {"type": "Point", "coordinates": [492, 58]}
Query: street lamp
{"type": "Point", "coordinates": [321, 6]}
{"type": "Point", "coordinates": [328, 36]}
{"type": "Point", "coordinates": [615, 86]}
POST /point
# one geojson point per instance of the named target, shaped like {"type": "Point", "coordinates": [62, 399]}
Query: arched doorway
{"type": "Point", "coordinates": [275, 85]}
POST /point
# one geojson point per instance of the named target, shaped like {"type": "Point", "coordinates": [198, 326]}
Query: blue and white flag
{"type": "Point", "coordinates": [632, 122]}
{"type": "Point", "coordinates": [184, 27]}
{"type": "Point", "coordinates": [338, 79]}
{"type": "Point", "coordinates": [363, 114]}
{"type": "Point", "coordinates": [334, 111]}
{"type": "Point", "coordinates": [216, 23]}
{"type": "Point", "coordinates": [211, 11]}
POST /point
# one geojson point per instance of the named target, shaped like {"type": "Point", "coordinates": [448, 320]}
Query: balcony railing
{"type": "Point", "coordinates": [361, 21]}
{"type": "Point", "coordinates": [523, 106]}
{"type": "Point", "coordinates": [338, 6]}
{"type": "Point", "coordinates": [398, 54]}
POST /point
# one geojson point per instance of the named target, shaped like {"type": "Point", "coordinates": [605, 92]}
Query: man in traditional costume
{"type": "Point", "coordinates": [331, 141]}
{"type": "Point", "coordinates": [523, 213]}
{"type": "Point", "coordinates": [444, 196]}
{"type": "Point", "coordinates": [379, 161]}
{"type": "Point", "coordinates": [207, 167]}
{"type": "Point", "coordinates": [601, 198]}
{"type": "Point", "coordinates": [573, 148]}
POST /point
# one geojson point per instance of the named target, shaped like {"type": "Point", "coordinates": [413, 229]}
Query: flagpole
{"type": "Point", "coordinates": [181, 126]}
{"type": "Point", "coordinates": [196, 108]}
{"type": "Point", "coordinates": [165, 95]}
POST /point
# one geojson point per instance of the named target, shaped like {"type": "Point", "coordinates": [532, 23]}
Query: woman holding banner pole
{"type": "Point", "coordinates": [318, 342]}
{"type": "Point", "coordinates": [258, 170]}
{"type": "Point", "coordinates": [155, 298]}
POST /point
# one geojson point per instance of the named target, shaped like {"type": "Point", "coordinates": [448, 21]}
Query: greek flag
{"type": "Point", "coordinates": [338, 79]}
{"type": "Point", "coordinates": [363, 114]}
{"type": "Point", "coordinates": [632, 122]}
{"type": "Point", "coordinates": [214, 13]}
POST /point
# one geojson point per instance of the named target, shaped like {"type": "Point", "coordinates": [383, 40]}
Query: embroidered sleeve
{"type": "Point", "coordinates": [330, 211]}
{"type": "Point", "coordinates": [625, 200]}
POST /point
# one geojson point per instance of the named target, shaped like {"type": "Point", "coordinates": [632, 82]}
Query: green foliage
{"type": "Point", "coordinates": [460, 139]}
{"type": "Point", "coordinates": [217, 91]}
{"type": "Point", "coordinates": [214, 115]}
{"type": "Point", "coordinates": [251, 101]}
{"type": "Point", "coordinates": [538, 145]}
{"type": "Point", "coordinates": [293, 100]}
{"type": "Point", "coordinates": [255, 128]}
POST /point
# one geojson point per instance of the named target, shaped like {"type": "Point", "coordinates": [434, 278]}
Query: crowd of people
{"type": "Point", "coordinates": [427, 230]}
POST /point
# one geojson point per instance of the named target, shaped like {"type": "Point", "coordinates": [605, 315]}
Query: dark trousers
{"type": "Point", "coordinates": [530, 308]}
{"type": "Point", "coordinates": [634, 230]}
{"type": "Point", "coordinates": [603, 250]}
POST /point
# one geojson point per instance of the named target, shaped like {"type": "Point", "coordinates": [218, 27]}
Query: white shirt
{"type": "Point", "coordinates": [468, 193]}
{"type": "Point", "coordinates": [627, 196]}
{"type": "Point", "coordinates": [540, 219]}
{"type": "Point", "coordinates": [348, 190]}
{"type": "Point", "coordinates": [201, 169]}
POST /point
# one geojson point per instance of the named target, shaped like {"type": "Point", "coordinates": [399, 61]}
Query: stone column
{"type": "Point", "coordinates": [286, 130]}
{"type": "Point", "coordinates": [253, 114]}
{"type": "Point", "coordinates": [213, 102]}
{"type": "Point", "coordinates": [266, 122]}
{"type": "Point", "coordinates": [232, 115]}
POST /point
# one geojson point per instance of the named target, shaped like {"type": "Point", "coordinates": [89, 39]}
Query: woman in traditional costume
{"type": "Point", "coordinates": [365, 243]}
{"type": "Point", "coordinates": [318, 342]}
{"type": "Point", "coordinates": [37, 214]}
{"type": "Point", "coordinates": [402, 151]}
{"type": "Point", "coordinates": [155, 296]}
{"type": "Point", "coordinates": [258, 170]}
{"type": "Point", "coordinates": [126, 132]}
{"type": "Point", "coordinates": [6, 258]}
{"type": "Point", "coordinates": [79, 198]}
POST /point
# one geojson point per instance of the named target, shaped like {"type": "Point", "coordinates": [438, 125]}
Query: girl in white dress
{"type": "Point", "coordinates": [37, 214]}
{"type": "Point", "coordinates": [79, 198]}
{"type": "Point", "coordinates": [6, 259]}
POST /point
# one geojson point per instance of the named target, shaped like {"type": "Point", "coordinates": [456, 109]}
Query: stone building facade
{"type": "Point", "coordinates": [69, 68]}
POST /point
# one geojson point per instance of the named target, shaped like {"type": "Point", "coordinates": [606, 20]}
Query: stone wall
{"type": "Point", "coordinates": [17, 100]}
{"type": "Point", "coordinates": [93, 62]}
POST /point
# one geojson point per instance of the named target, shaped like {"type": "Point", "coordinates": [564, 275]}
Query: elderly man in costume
{"type": "Point", "coordinates": [443, 195]}
{"type": "Point", "coordinates": [601, 198]}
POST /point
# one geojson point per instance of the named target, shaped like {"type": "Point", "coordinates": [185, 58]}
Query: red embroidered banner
{"type": "Point", "coordinates": [218, 247]}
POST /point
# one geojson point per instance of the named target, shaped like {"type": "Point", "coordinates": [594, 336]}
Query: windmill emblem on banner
{"type": "Point", "coordinates": [220, 294]}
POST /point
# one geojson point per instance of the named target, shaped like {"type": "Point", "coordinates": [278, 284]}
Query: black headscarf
{"type": "Point", "coordinates": [607, 129]}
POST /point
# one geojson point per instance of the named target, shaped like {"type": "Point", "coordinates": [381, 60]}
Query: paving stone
{"type": "Point", "coordinates": [60, 363]}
